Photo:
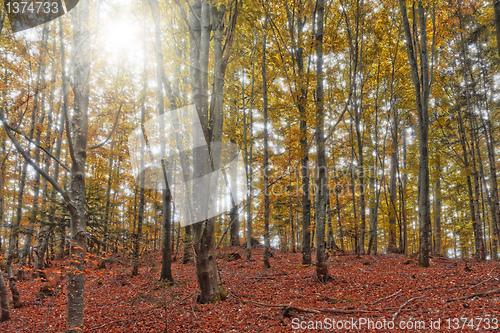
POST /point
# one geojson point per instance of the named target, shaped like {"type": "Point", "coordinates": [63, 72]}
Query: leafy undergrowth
{"type": "Point", "coordinates": [275, 300]}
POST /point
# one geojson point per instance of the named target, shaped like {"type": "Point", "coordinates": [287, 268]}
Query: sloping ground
{"type": "Point", "coordinates": [364, 294]}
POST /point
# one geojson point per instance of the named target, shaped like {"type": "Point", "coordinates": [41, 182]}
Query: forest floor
{"type": "Point", "coordinates": [452, 295]}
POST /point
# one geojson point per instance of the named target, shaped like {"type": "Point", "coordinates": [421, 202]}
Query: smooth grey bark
{"type": "Point", "coordinates": [494, 198]}
{"type": "Point", "coordinates": [201, 13]}
{"type": "Point", "coordinates": [266, 148]}
{"type": "Point", "coordinates": [4, 300]}
{"type": "Point", "coordinates": [416, 41]}
{"type": "Point", "coordinates": [301, 91]}
{"type": "Point", "coordinates": [36, 193]}
{"type": "Point", "coordinates": [322, 181]}
{"type": "Point", "coordinates": [304, 153]}
{"type": "Point", "coordinates": [2, 182]}
{"type": "Point", "coordinates": [234, 217]}
{"type": "Point", "coordinates": [109, 185]}
{"type": "Point", "coordinates": [392, 246]}
{"type": "Point", "coordinates": [47, 227]}
{"type": "Point", "coordinates": [402, 191]}
{"type": "Point", "coordinates": [474, 192]}
{"type": "Point", "coordinates": [496, 6]}
{"type": "Point", "coordinates": [480, 252]}
{"type": "Point", "coordinates": [249, 160]}
{"type": "Point", "coordinates": [77, 141]}
{"type": "Point", "coordinates": [2, 20]}
{"type": "Point", "coordinates": [163, 85]}
{"type": "Point", "coordinates": [142, 177]}
{"type": "Point", "coordinates": [466, 162]}
{"type": "Point", "coordinates": [437, 207]}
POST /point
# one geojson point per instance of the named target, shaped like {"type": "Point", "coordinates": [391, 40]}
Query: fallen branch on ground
{"type": "Point", "coordinates": [289, 307]}
{"type": "Point", "coordinates": [405, 304]}
{"type": "Point", "coordinates": [484, 293]}
{"type": "Point", "coordinates": [381, 299]}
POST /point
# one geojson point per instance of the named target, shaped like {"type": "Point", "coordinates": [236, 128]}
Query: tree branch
{"type": "Point", "coordinates": [16, 143]}
{"type": "Point", "coordinates": [112, 130]}
{"type": "Point", "coordinates": [37, 145]}
{"type": "Point", "coordinates": [2, 20]}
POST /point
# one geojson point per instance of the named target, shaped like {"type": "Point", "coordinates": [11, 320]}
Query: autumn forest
{"type": "Point", "coordinates": [248, 165]}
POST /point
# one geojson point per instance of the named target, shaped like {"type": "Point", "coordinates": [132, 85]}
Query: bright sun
{"type": "Point", "coordinates": [120, 34]}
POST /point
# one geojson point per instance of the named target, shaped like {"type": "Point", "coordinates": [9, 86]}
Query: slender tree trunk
{"type": "Point", "coordinates": [437, 207]}
{"type": "Point", "coordinates": [142, 177]}
{"type": "Point", "coordinates": [249, 159]}
{"type": "Point", "coordinates": [496, 5]}
{"type": "Point", "coordinates": [392, 246]}
{"type": "Point", "coordinates": [234, 218]}
{"type": "Point", "coordinates": [422, 85]}
{"type": "Point", "coordinates": [34, 212]}
{"type": "Point", "coordinates": [304, 147]}
{"type": "Point", "coordinates": [266, 151]}
{"type": "Point", "coordinates": [322, 181]}
{"type": "Point", "coordinates": [337, 207]}
{"type": "Point", "coordinates": [78, 149]}
{"type": "Point", "coordinates": [47, 218]}
{"type": "Point", "coordinates": [211, 288]}
{"type": "Point", "coordinates": [4, 300]}
{"type": "Point", "coordinates": [163, 84]}
{"type": "Point", "coordinates": [107, 218]}
{"type": "Point", "coordinates": [404, 245]}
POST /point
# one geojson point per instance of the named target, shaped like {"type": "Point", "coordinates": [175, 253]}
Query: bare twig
{"type": "Point", "coordinates": [289, 307]}
{"type": "Point", "coordinates": [484, 293]}
{"type": "Point", "coordinates": [490, 277]}
{"type": "Point", "coordinates": [111, 132]}
{"type": "Point", "coordinates": [185, 298]}
{"type": "Point", "coordinates": [37, 145]}
{"type": "Point", "coordinates": [404, 304]}
{"type": "Point", "coordinates": [383, 298]}
{"type": "Point", "coordinates": [25, 155]}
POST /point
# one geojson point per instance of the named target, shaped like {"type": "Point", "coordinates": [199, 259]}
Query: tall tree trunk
{"type": "Point", "coordinates": [234, 218]}
{"type": "Point", "coordinates": [404, 245]}
{"type": "Point", "coordinates": [34, 210]}
{"type": "Point", "coordinates": [480, 252]}
{"type": "Point", "coordinates": [496, 5]}
{"type": "Point", "coordinates": [142, 177]}
{"type": "Point", "coordinates": [166, 272]}
{"type": "Point", "coordinates": [304, 146]}
{"type": "Point", "coordinates": [107, 208]}
{"type": "Point", "coordinates": [437, 207]}
{"type": "Point", "coordinates": [322, 181]}
{"type": "Point", "coordinates": [211, 288]}
{"type": "Point", "coordinates": [248, 162]}
{"type": "Point", "coordinates": [266, 150]}
{"type": "Point", "coordinates": [392, 246]}
{"type": "Point", "coordinates": [4, 300]}
{"type": "Point", "coordinates": [337, 206]}
{"type": "Point", "coordinates": [422, 85]}
{"type": "Point", "coordinates": [47, 225]}
{"type": "Point", "coordinates": [78, 149]}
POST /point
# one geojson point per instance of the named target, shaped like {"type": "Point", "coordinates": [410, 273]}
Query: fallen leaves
{"type": "Point", "coordinates": [264, 300]}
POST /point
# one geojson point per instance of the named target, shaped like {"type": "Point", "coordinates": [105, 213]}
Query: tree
{"type": "Point", "coordinates": [203, 19]}
{"type": "Point", "coordinates": [416, 41]}
{"type": "Point", "coordinates": [77, 143]}
{"type": "Point", "coordinates": [266, 149]}
{"type": "Point", "coordinates": [163, 85]}
{"type": "Point", "coordinates": [321, 182]}
{"type": "Point", "coordinates": [496, 6]}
